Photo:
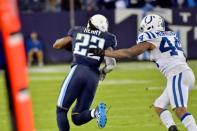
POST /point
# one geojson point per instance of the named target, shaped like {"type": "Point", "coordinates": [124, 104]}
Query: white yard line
{"type": "Point", "coordinates": [46, 78]}
{"type": "Point", "coordinates": [66, 68]}
{"type": "Point", "coordinates": [105, 82]}
{"type": "Point", "coordinates": [135, 66]}
{"type": "Point", "coordinates": [162, 88]}
{"type": "Point", "coordinates": [112, 82]}
{"type": "Point", "coordinates": [54, 69]}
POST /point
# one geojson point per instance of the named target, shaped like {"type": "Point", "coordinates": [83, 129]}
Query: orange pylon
{"type": "Point", "coordinates": [16, 67]}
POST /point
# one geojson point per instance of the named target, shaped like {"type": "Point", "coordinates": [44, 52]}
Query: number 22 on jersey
{"type": "Point", "coordinates": [85, 41]}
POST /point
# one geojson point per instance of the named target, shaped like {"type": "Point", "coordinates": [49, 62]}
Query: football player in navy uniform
{"type": "Point", "coordinates": [81, 83]}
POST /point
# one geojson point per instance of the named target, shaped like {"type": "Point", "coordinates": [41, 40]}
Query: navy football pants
{"type": "Point", "coordinates": [80, 85]}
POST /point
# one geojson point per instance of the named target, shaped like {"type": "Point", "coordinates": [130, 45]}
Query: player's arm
{"type": "Point", "coordinates": [62, 42]}
{"type": "Point", "coordinates": [125, 53]}
{"type": "Point", "coordinates": [110, 64]}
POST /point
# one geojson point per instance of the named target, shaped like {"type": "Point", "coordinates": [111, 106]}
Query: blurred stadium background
{"type": "Point", "coordinates": [131, 88]}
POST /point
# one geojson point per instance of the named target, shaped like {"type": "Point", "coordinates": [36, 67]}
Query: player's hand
{"type": "Point", "coordinates": [68, 47]}
{"type": "Point", "coordinates": [96, 51]}
{"type": "Point", "coordinates": [102, 75]}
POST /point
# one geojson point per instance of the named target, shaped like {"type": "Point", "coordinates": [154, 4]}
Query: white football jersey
{"type": "Point", "coordinates": [168, 54]}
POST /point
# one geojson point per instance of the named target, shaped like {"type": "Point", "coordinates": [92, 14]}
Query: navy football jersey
{"type": "Point", "coordinates": [84, 38]}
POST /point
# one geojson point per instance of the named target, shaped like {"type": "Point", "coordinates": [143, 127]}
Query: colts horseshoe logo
{"type": "Point", "coordinates": [148, 21]}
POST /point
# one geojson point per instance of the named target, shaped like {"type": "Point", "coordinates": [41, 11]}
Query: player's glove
{"type": "Point", "coordinates": [102, 74]}
{"type": "Point", "coordinates": [96, 51]}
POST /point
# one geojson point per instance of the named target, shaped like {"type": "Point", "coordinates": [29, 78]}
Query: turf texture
{"type": "Point", "coordinates": [130, 90]}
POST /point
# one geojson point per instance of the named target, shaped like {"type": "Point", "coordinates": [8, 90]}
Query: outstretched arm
{"type": "Point", "coordinates": [62, 42]}
{"type": "Point", "coordinates": [110, 64]}
{"type": "Point", "coordinates": [130, 52]}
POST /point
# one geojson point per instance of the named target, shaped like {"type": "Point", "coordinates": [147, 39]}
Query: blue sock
{"type": "Point", "coordinates": [81, 118]}
{"type": "Point", "coordinates": [62, 120]}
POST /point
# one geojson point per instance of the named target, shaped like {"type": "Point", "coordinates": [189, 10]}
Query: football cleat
{"type": "Point", "coordinates": [173, 128]}
{"type": "Point", "coordinates": [100, 113]}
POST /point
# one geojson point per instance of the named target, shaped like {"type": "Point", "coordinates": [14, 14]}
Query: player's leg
{"type": "Point", "coordinates": [182, 83]}
{"type": "Point", "coordinates": [82, 113]}
{"type": "Point", "coordinates": [62, 119]}
{"type": "Point", "coordinates": [161, 108]}
{"type": "Point", "coordinates": [69, 92]}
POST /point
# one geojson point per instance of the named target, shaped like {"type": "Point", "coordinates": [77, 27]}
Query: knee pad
{"type": "Point", "coordinates": [161, 104]}
{"type": "Point", "coordinates": [61, 113]}
{"type": "Point", "coordinates": [157, 103]}
{"type": "Point", "coordinates": [59, 110]}
{"type": "Point", "coordinates": [75, 119]}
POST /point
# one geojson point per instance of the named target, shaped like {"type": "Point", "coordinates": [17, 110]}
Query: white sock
{"type": "Point", "coordinates": [189, 122]}
{"type": "Point", "coordinates": [92, 113]}
{"type": "Point", "coordinates": [166, 118]}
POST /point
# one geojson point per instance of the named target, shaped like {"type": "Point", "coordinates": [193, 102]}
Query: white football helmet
{"type": "Point", "coordinates": [99, 21]}
{"type": "Point", "coordinates": [152, 22]}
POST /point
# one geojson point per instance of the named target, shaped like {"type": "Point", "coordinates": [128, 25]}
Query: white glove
{"type": "Point", "coordinates": [102, 74]}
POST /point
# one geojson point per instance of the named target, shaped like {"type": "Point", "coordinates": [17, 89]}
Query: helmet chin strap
{"type": "Point", "coordinates": [91, 26]}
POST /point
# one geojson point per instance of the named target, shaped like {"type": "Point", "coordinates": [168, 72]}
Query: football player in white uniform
{"type": "Point", "coordinates": [165, 50]}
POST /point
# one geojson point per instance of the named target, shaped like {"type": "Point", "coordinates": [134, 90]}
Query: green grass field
{"type": "Point", "coordinates": [130, 90]}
